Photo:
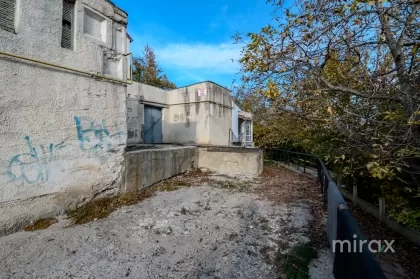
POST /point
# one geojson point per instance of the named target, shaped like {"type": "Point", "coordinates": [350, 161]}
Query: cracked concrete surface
{"type": "Point", "coordinates": [194, 232]}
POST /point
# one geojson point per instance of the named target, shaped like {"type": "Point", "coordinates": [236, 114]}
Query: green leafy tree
{"type": "Point", "coordinates": [349, 72]}
{"type": "Point", "coordinates": [147, 71]}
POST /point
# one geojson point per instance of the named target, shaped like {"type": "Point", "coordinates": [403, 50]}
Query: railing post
{"type": "Point", "coordinates": [318, 168]}
{"type": "Point", "coordinates": [355, 194]}
{"type": "Point", "coordinates": [326, 195]}
{"type": "Point", "coordinates": [381, 210]}
{"type": "Point", "coordinates": [325, 191]}
{"type": "Point", "coordinates": [321, 179]}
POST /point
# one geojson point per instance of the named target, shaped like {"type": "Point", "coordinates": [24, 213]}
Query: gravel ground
{"type": "Point", "coordinates": [210, 229]}
{"type": "Point", "coordinates": [322, 267]}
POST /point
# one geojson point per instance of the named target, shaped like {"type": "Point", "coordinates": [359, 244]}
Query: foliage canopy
{"type": "Point", "coordinates": [341, 79]}
{"type": "Point", "coordinates": [147, 71]}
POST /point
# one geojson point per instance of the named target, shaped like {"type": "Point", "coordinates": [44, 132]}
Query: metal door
{"type": "Point", "coordinates": [152, 124]}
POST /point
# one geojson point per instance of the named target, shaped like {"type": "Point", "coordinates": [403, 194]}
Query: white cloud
{"type": "Point", "coordinates": [205, 57]}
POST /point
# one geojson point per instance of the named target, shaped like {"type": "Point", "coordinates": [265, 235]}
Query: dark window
{"type": "Point", "coordinates": [67, 35]}
{"type": "Point", "coordinates": [7, 15]}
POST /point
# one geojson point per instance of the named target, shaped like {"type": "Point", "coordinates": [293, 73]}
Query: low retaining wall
{"type": "Point", "coordinates": [231, 160]}
{"type": "Point", "coordinates": [146, 167]}
{"type": "Point", "coordinates": [141, 168]}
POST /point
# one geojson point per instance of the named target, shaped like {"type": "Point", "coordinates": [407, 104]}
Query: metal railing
{"type": "Point", "coordinates": [238, 140]}
{"type": "Point", "coordinates": [341, 226]}
{"type": "Point", "coordinates": [234, 140]}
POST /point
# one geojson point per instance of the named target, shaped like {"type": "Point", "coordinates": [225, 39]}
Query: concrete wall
{"type": "Point", "coordinates": [153, 95]}
{"type": "Point", "coordinates": [188, 117]}
{"type": "Point", "coordinates": [199, 114]}
{"type": "Point", "coordinates": [232, 160]}
{"type": "Point", "coordinates": [135, 122]}
{"type": "Point", "coordinates": [220, 114]}
{"type": "Point", "coordinates": [146, 167]}
{"type": "Point", "coordinates": [62, 135]}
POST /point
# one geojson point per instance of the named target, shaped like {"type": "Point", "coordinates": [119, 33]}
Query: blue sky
{"type": "Point", "coordinates": [192, 39]}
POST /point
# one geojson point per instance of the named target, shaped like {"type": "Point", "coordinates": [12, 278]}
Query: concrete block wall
{"type": "Point", "coordinates": [62, 135]}
{"type": "Point", "coordinates": [232, 161]}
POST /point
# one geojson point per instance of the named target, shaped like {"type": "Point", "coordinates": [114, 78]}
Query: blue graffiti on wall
{"type": "Point", "coordinates": [33, 166]}
{"type": "Point", "coordinates": [93, 136]}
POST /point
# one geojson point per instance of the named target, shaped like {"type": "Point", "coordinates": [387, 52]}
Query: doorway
{"type": "Point", "coordinates": [152, 124]}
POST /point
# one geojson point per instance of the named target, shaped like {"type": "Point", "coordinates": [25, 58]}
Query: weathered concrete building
{"type": "Point", "coordinates": [199, 114]}
{"type": "Point", "coordinates": [202, 115]}
{"type": "Point", "coordinates": [69, 113]}
{"type": "Point", "coordinates": [63, 69]}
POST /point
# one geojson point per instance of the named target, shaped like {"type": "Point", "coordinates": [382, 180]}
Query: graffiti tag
{"type": "Point", "coordinates": [96, 136]}
{"type": "Point", "coordinates": [33, 166]}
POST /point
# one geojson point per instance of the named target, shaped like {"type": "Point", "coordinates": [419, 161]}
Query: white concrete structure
{"type": "Point", "coordinates": [62, 131]}
{"type": "Point", "coordinates": [202, 114]}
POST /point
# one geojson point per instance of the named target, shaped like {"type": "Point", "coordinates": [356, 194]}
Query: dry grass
{"type": "Point", "coordinates": [40, 224]}
{"type": "Point", "coordinates": [103, 207]}
{"type": "Point", "coordinates": [232, 185]}
{"type": "Point", "coordinates": [282, 186]}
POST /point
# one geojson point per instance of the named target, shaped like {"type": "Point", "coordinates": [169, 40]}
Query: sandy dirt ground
{"type": "Point", "coordinates": [194, 226]}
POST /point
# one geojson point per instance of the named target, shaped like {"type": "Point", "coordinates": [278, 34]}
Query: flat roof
{"type": "Point", "coordinates": [204, 82]}
{"type": "Point", "coordinates": [113, 4]}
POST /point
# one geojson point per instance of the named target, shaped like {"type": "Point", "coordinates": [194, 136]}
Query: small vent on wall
{"type": "Point", "coordinates": [7, 15]}
{"type": "Point", "coordinates": [67, 34]}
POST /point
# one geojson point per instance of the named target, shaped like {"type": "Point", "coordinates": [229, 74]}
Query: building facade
{"type": "Point", "coordinates": [64, 67]}
{"type": "Point", "coordinates": [198, 114]}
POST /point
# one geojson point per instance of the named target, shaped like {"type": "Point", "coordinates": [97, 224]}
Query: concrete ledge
{"type": "Point", "coordinates": [231, 160]}
{"type": "Point", "coordinates": [147, 167]}
{"type": "Point", "coordinates": [234, 149]}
